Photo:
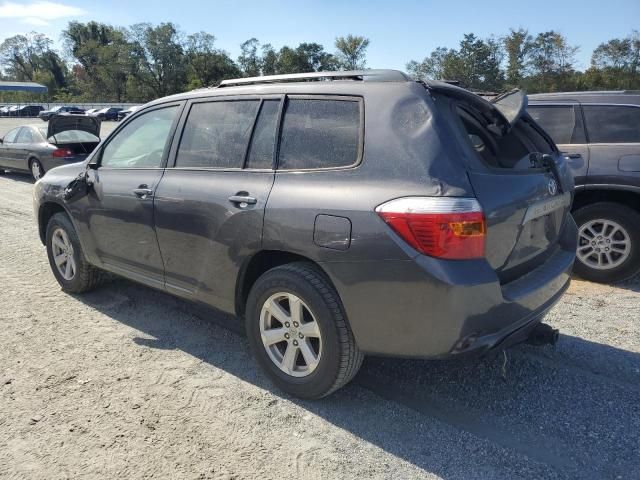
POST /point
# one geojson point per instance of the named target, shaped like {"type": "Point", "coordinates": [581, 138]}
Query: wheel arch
{"type": "Point", "coordinates": [45, 212]}
{"type": "Point", "coordinates": [260, 263]}
{"type": "Point", "coordinates": [584, 197]}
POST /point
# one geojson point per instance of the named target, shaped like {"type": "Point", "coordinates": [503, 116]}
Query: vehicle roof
{"type": "Point", "coordinates": [614, 97]}
{"type": "Point", "coordinates": [355, 82]}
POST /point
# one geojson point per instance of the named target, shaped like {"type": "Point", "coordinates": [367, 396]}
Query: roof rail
{"type": "Point", "coordinates": [362, 75]}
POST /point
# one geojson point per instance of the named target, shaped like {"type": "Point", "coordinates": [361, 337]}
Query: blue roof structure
{"type": "Point", "coordinates": [22, 87]}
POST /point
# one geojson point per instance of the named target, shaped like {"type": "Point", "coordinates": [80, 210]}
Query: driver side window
{"type": "Point", "coordinates": [141, 143]}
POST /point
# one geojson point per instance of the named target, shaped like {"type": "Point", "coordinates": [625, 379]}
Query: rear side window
{"type": "Point", "coordinates": [264, 136]}
{"type": "Point", "coordinates": [26, 136]}
{"type": "Point", "coordinates": [562, 122]}
{"type": "Point", "coordinates": [216, 134]}
{"type": "Point", "coordinates": [320, 133]}
{"type": "Point", "coordinates": [612, 123]}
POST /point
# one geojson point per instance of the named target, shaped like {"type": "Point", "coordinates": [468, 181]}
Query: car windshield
{"type": "Point", "coordinates": [71, 136]}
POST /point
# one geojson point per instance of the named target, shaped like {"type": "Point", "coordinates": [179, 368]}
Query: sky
{"type": "Point", "coordinates": [399, 30]}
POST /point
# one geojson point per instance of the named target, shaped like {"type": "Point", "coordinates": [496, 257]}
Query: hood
{"type": "Point", "coordinates": [68, 121]}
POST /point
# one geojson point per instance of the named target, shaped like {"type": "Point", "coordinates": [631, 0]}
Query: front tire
{"type": "Point", "coordinates": [608, 242]}
{"type": "Point", "coordinates": [298, 331]}
{"type": "Point", "coordinates": [66, 258]}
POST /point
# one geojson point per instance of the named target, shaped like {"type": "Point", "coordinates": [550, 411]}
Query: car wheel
{"type": "Point", "coordinates": [66, 258]}
{"type": "Point", "coordinates": [298, 331]}
{"type": "Point", "coordinates": [36, 169]}
{"type": "Point", "coordinates": [608, 242]}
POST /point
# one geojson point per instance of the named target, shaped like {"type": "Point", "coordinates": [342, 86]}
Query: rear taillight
{"type": "Point", "coordinates": [62, 152]}
{"type": "Point", "coordinates": [444, 227]}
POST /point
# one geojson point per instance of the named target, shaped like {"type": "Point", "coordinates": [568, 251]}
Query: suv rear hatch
{"type": "Point", "coordinates": [517, 175]}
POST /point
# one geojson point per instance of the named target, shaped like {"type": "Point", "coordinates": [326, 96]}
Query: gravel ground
{"type": "Point", "coordinates": [127, 382]}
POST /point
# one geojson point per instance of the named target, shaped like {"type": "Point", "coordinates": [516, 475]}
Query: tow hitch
{"type": "Point", "coordinates": [543, 334]}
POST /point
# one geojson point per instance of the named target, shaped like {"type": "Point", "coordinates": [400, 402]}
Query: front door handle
{"type": "Point", "coordinates": [571, 155]}
{"type": "Point", "coordinates": [243, 200]}
{"type": "Point", "coordinates": [142, 193]}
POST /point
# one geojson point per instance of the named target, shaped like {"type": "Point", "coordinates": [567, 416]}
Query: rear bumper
{"type": "Point", "coordinates": [431, 308]}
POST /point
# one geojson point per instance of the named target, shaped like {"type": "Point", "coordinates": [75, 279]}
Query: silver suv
{"type": "Point", "coordinates": [599, 133]}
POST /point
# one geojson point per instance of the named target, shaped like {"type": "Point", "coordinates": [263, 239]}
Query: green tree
{"type": "Point", "coordinates": [352, 52]}
{"type": "Point", "coordinates": [249, 60]}
{"type": "Point", "coordinates": [551, 60]}
{"type": "Point", "coordinates": [476, 64]}
{"type": "Point", "coordinates": [105, 57]}
{"type": "Point", "coordinates": [517, 47]}
{"type": "Point", "coordinates": [158, 51]}
{"type": "Point", "coordinates": [206, 65]}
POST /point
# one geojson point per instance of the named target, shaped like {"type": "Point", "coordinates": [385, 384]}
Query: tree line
{"type": "Point", "coordinates": [544, 62]}
{"type": "Point", "coordinates": [101, 62]}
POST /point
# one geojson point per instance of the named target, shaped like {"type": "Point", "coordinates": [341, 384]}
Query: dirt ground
{"type": "Point", "coordinates": [127, 382]}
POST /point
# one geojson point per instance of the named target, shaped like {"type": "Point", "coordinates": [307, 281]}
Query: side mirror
{"type": "Point", "coordinates": [77, 188]}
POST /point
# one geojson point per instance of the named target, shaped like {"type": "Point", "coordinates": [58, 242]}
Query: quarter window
{"type": "Point", "coordinates": [216, 134]}
{"type": "Point", "coordinates": [612, 123]}
{"type": "Point", "coordinates": [562, 122]}
{"type": "Point", "coordinates": [142, 141]}
{"type": "Point", "coordinates": [319, 133]}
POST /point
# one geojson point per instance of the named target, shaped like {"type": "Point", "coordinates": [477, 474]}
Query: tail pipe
{"type": "Point", "coordinates": [543, 334]}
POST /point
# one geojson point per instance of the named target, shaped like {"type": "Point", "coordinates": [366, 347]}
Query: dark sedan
{"type": "Point", "coordinates": [110, 113]}
{"type": "Point", "coordinates": [37, 148]}
{"type": "Point", "coordinates": [45, 115]}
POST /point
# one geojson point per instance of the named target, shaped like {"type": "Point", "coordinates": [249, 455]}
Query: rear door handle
{"type": "Point", "coordinates": [243, 199]}
{"type": "Point", "coordinates": [142, 193]}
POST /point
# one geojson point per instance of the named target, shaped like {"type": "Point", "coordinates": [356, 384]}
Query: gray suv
{"type": "Point", "coordinates": [339, 214]}
{"type": "Point", "coordinates": [599, 133]}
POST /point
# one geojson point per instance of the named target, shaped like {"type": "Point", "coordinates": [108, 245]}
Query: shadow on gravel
{"type": "Point", "coordinates": [19, 177]}
{"type": "Point", "coordinates": [569, 411]}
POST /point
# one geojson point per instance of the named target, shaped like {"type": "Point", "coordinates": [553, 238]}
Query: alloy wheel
{"type": "Point", "coordinates": [290, 334]}
{"type": "Point", "coordinates": [36, 170]}
{"type": "Point", "coordinates": [603, 244]}
{"type": "Point", "coordinates": [63, 254]}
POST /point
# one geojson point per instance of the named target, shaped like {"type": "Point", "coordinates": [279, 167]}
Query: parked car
{"type": "Point", "coordinates": [37, 149]}
{"type": "Point", "coordinates": [91, 111]}
{"type": "Point", "coordinates": [45, 115]}
{"type": "Point", "coordinates": [599, 132]}
{"type": "Point", "coordinates": [371, 215]}
{"type": "Point", "coordinates": [27, 111]}
{"type": "Point", "coordinates": [124, 113]}
{"type": "Point", "coordinates": [110, 113]}
{"type": "Point", "coordinates": [4, 111]}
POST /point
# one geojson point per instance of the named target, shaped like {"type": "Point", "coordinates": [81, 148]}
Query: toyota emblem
{"type": "Point", "coordinates": [553, 186]}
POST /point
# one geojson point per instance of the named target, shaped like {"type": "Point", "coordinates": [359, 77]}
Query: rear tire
{"type": "Point", "coordinates": [623, 232]}
{"type": "Point", "coordinates": [334, 353]}
{"type": "Point", "coordinates": [66, 258]}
